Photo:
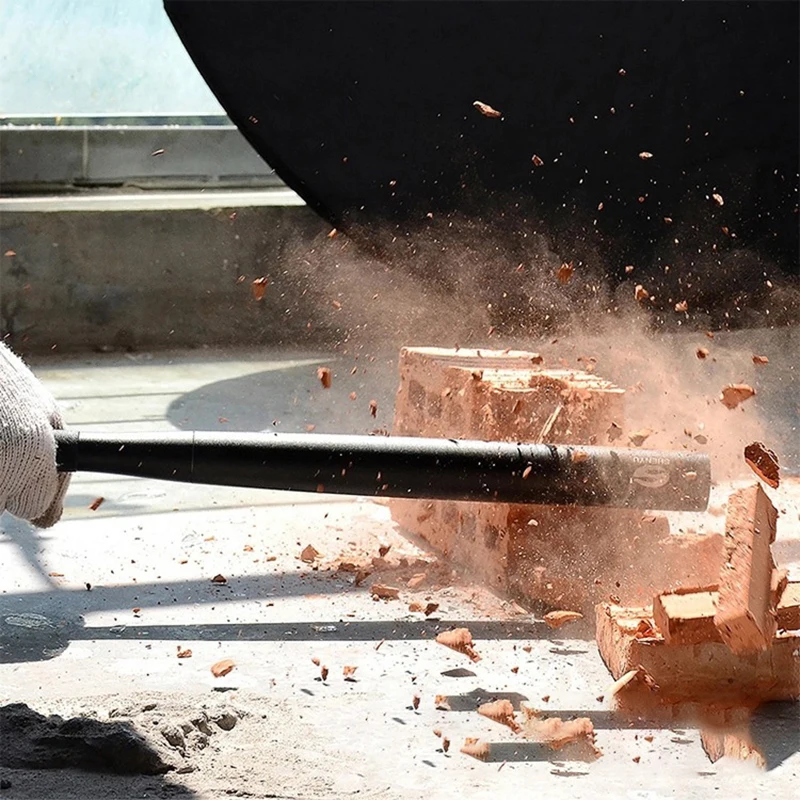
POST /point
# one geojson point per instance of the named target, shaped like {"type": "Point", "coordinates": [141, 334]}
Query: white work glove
{"type": "Point", "coordinates": [30, 486]}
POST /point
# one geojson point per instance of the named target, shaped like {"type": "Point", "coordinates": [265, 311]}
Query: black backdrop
{"type": "Point", "coordinates": [365, 109]}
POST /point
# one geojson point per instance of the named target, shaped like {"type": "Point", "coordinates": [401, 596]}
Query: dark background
{"type": "Point", "coordinates": [365, 109]}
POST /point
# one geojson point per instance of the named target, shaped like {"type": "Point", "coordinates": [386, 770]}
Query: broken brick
{"type": "Point", "coordinates": [727, 733]}
{"type": "Point", "coordinates": [555, 733]}
{"type": "Point", "coordinates": [384, 592]}
{"type": "Point", "coordinates": [745, 615]}
{"type": "Point", "coordinates": [555, 619]}
{"type": "Point", "coordinates": [475, 748]}
{"type": "Point", "coordinates": [460, 640]}
{"type": "Point", "coordinates": [415, 581]}
{"type": "Point", "coordinates": [764, 463]}
{"type": "Point", "coordinates": [697, 672]}
{"type": "Point", "coordinates": [222, 668]}
{"type": "Point", "coordinates": [500, 711]}
{"type": "Point", "coordinates": [309, 554]}
{"type": "Point", "coordinates": [734, 394]}
{"type": "Point", "coordinates": [686, 616]}
{"type": "Point", "coordinates": [486, 109]}
{"type": "Point", "coordinates": [788, 607]}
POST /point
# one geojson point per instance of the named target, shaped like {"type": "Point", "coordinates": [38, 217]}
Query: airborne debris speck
{"type": "Point", "coordinates": [487, 110]}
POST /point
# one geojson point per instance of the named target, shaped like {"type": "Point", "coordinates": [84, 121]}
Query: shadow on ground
{"type": "Point", "coordinates": [291, 399]}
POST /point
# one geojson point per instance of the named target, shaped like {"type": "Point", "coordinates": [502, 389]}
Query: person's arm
{"type": "Point", "coordinates": [30, 486]}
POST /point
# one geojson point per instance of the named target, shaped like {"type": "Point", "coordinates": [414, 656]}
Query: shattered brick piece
{"type": "Point", "coordinates": [788, 611]}
{"type": "Point", "coordinates": [564, 272]}
{"type": "Point", "coordinates": [222, 668]}
{"type": "Point", "coordinates": [486, 109]}
{"type": "Point", "coordinates": [638, 438]}
{"type": "Point", "coordinates": [384, 592]}
{"type": "Point", "coordinates": [309, 554]}
{"type": "Point", "coordinates": [764, 463]}
{"type": "Point", "coordinates": [415, 581]}
{"type": "Point", "coordinates": [555, 733]}
{"type": "Point", "coordinates": [686, 616]}
{"type": "Point", "coordinates": [621, 682]}
{"type": "Point", "coordinates": [500, 711]}
{"type": "Point", "coordinates": [476, 749]}
{"type": "Point", "coordinates": [745, 615]}
{"type": "Point", "coordinates": [727, 733]}
{"type": "Point", "coordinates": [259, 287]}
{"type": "Point", "coordinates": [555, 619]}
{"type": "Point", "coordinates": [735, 394]}
{"type": "Point", "coordinates": [697, 672]}
{"type": "Point", "coordinates": [460, 640]}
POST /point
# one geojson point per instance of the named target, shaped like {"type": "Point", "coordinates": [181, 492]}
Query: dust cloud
{"type": "Point", "coordinates": [459, 282]}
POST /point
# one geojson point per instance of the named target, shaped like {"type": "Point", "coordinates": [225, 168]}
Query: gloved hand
{"type": "Point", "coordinates": [30, 487]}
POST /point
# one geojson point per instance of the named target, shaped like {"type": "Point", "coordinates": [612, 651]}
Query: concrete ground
{"type": "Point", "coordinates": [94, 611]}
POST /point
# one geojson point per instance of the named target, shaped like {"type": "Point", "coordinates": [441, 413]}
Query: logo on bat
{"type": "Point", "coordinates": [652, 476]}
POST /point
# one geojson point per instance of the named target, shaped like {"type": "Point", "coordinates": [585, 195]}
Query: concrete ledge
{"type": "Point", "coordinates": [152, 271]}
{"type": "Point", "coordinates": [128, 152]}
{"type": "Point", "coordinates": [151, 201]}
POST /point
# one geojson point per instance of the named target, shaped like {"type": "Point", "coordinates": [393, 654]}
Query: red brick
{"type": "Point", "coordinates": [496, 395]}
{"type": "Point", "coordinates": [745, 615]}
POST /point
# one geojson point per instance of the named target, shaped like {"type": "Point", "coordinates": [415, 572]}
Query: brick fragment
{"type": "Point", "coordinates": [686, 616]}
{"type": "Point", "coordinates": [745, 615]}
{"type": "Point", "coordinates": [728, 733]}
{"type": "Point", "coordinates": [500, 711]}
{"type": "Point", "coordinates": [697, 672]}
{"type": "Point", "coordinates": [788, 611]}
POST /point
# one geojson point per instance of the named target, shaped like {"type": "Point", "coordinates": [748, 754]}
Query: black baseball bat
{"type": "Point", "coordinates": [401, 466]}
